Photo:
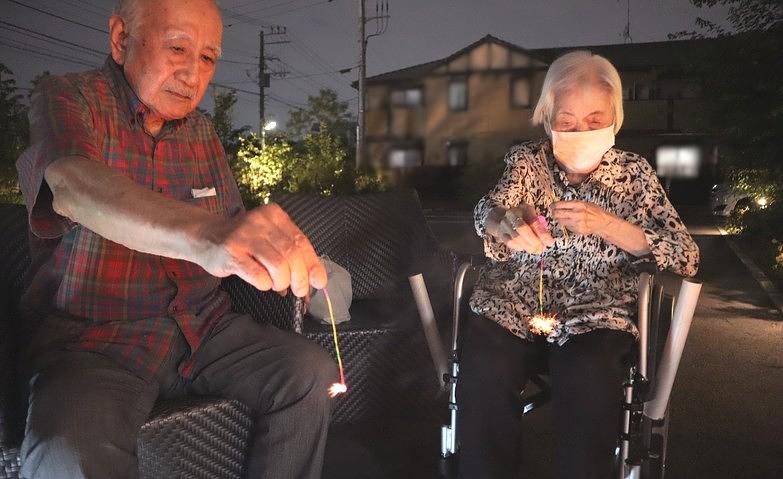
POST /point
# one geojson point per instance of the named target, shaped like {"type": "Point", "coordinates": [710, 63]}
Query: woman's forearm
{"type": "Point", "coordinates": [626, 236]}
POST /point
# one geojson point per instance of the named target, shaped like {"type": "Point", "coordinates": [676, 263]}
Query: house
{"type": "Point", "coordinates": [470, 107]}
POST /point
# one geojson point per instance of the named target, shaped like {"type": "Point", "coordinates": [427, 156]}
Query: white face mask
{"type": "Point", "coordinates": [581, 151]}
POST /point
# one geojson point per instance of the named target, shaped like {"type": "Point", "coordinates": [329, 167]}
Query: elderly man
{"type": "Point", "coordinates": [135, 215]}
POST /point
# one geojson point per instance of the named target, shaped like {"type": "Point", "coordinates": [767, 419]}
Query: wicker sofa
{"type": "Point", "coordinates": [380, 238]}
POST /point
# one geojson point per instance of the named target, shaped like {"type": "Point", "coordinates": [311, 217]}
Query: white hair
{"type": "Point", "coordinates": [130, 11]}
{"type": "Point", "coordinates": [578, 68]}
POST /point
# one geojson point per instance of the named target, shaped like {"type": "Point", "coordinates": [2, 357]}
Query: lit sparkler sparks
{"type": "Point", "coordinates": [341, 387]}
{"type": "Point", "coordinates": [543, 324]}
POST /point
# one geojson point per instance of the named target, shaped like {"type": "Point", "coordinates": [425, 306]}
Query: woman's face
{"type": "Point", "coordinates": [581, 109]}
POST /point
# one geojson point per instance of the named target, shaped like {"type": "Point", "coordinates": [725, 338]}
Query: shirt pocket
{"type": "Point", "coordinates": [211, 203]}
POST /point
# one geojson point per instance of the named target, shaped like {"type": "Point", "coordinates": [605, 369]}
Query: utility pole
{"type": "Point", "coordinates": [362, 76]}
{"type": "Point", "coordinates": [263, 82]}
{"type": "Point", "coordinates": [381, 24]}
{"type": "Point", "coordinates": [263, 76]}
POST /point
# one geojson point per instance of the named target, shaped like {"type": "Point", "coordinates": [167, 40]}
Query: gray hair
{"type": "Point", "coordinates": [129, 11]}
{"type": "Point", "coordinates": [575, 68]}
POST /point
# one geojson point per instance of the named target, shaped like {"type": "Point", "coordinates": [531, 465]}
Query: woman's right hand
{"type": "Point", "coordinates": [519, 229]}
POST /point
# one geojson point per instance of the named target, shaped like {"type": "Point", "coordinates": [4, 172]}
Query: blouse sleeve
{"type": "Point", "coordinates": [670, 243]}
{"type": "Point", "coordinates": [509, 192]}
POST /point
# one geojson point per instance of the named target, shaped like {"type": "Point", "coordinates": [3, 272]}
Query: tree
{"type": "Point", "coordinates": [743, 16]}
{"type": "Point", "coordinates": [259, 170]}
{"type": "Point", "coordinates": [324, 113]}
{"type": "Point", "coordinates": [222, 121]}
{"type": "Point", "coordinates": [317, 165]}
{"type": "Point", "coordinates": [14, 134]}
{"type": "Point", "coordinates": [743, 75]}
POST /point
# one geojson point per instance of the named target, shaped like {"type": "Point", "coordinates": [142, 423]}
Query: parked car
{"type": "Point", "coordinates": [726, 200]}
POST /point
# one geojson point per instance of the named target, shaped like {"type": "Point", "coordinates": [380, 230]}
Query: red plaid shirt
{"type": "Point", "coordinates": [132, 304]}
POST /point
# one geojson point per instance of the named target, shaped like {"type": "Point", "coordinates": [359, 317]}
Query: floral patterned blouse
{"type": "Point", "coordinates": [588, 282]}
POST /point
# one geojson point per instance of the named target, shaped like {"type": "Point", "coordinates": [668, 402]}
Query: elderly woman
{"type": "Point", "coordinates": [588, 212]}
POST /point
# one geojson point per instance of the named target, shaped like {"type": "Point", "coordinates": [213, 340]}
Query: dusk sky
{"type": "Point", "coordinates": [323, 37]}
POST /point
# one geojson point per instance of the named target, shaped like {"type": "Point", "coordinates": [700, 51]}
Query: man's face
{"type": "Point", "coordinates": [170, 53]}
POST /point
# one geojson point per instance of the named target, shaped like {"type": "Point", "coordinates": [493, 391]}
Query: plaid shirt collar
{"type": "Point", "coordinates": [133, 107]}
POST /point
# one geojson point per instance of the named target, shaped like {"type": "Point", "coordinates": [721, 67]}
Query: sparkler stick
{"type": "Point", "coordinates": [336, 388]}
{"type": "Point", "coordinates": [541, 286]}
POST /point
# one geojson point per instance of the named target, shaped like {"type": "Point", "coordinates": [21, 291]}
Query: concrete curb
{"type": "Point", "coordinates": [768, 286]}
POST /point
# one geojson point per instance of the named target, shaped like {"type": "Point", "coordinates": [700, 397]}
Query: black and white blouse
{"type": "Point", "coordinates": [588, 282]}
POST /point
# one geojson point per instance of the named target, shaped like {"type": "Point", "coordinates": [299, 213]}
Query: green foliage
{"type": "Point", "coordinates": [14, 135]}
{"type": "Point", "coordinates": [317, 165]}
{"type": "Point", "coordinates": [743, 16]}
{"type": "Point", "coordinates": [222, 120]}
{"type": "Point", "coordinates": [324, 113]}
{"type": "Point", "coordinates": [742, 74]}
{"type": "Point", "coordinates": [259, 169]}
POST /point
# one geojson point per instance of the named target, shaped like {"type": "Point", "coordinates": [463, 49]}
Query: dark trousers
{"type": "Point", "coordinates": [85, 409]}
{"type": "Point", "coordinates": [586, 373]}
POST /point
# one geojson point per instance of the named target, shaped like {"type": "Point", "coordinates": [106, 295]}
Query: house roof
{"type": "Point", "coordinates": [417, 71]}
{"type": "Point", "coordinates": [625, 56]}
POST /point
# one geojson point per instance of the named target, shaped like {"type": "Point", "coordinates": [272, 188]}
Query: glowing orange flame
{"type": "Point", "coordinates": [337, 388]}
{"type": "Point", "coordinates": [543, 324]}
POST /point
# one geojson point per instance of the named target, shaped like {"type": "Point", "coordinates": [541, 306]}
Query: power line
{"type": "Point", "coordinates": [60, 40]}
{"type": "Point", "coordinates": [255, 93]}
{"type": "Point", "coordinates": [58, 16]}
{"type": "Point", "coordinates": [56, 57]}
{"type": "Point", "coordinates": [267, 7]}
{"type": "Point", "coordinates": [297, 8]}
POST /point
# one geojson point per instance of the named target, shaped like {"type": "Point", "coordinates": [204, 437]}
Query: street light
{"type": "Point", "coordinates": [268, 126]}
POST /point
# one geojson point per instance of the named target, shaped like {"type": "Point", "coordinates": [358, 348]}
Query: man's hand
{"type": "Point", "coordinates": [518, 228]}
{"type": "Point", "coordinates": [581, 217]}
{"type": "Point", "coordinates": [265, 248]}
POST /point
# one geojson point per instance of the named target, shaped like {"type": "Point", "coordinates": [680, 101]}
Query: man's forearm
{"type": "Point", "coordinates": [117, 208]}
{"type": "Point", "coordinates": [626, 236]}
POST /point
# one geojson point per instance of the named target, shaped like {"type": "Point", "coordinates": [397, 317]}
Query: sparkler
{"type": "Point", "coordinates": [542, 323]}
{"type": "Point", "coordinates": [341, 387]}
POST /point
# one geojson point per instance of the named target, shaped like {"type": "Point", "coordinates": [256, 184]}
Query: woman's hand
{"type": "Point", "coordinates": [581, 217]}
{"type": "Point", "coordinates": [518, 228]}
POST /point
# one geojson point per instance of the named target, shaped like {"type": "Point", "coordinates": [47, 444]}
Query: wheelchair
{"type": "Point", "coordinates": [665, 310]}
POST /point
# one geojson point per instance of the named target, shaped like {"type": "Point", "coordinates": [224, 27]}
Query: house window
{"type": "Point", "coordinates": [678, 161]}
{"type": "Point", "coordinates": [457, 153]}
{"type": "Point", "coordinates": [458, 94]}
{"type": "Point", "coordinates": [643, 92]}
{"type": "Point", "coordinates": [404, 157]}
{"type": "Point", "coordinates": [520, 92]}
{"type": "Point", "coordinates": [408, 97]}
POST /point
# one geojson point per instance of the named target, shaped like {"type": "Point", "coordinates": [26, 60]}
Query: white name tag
{"type": "Point", "coordinates": [203, 192]}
